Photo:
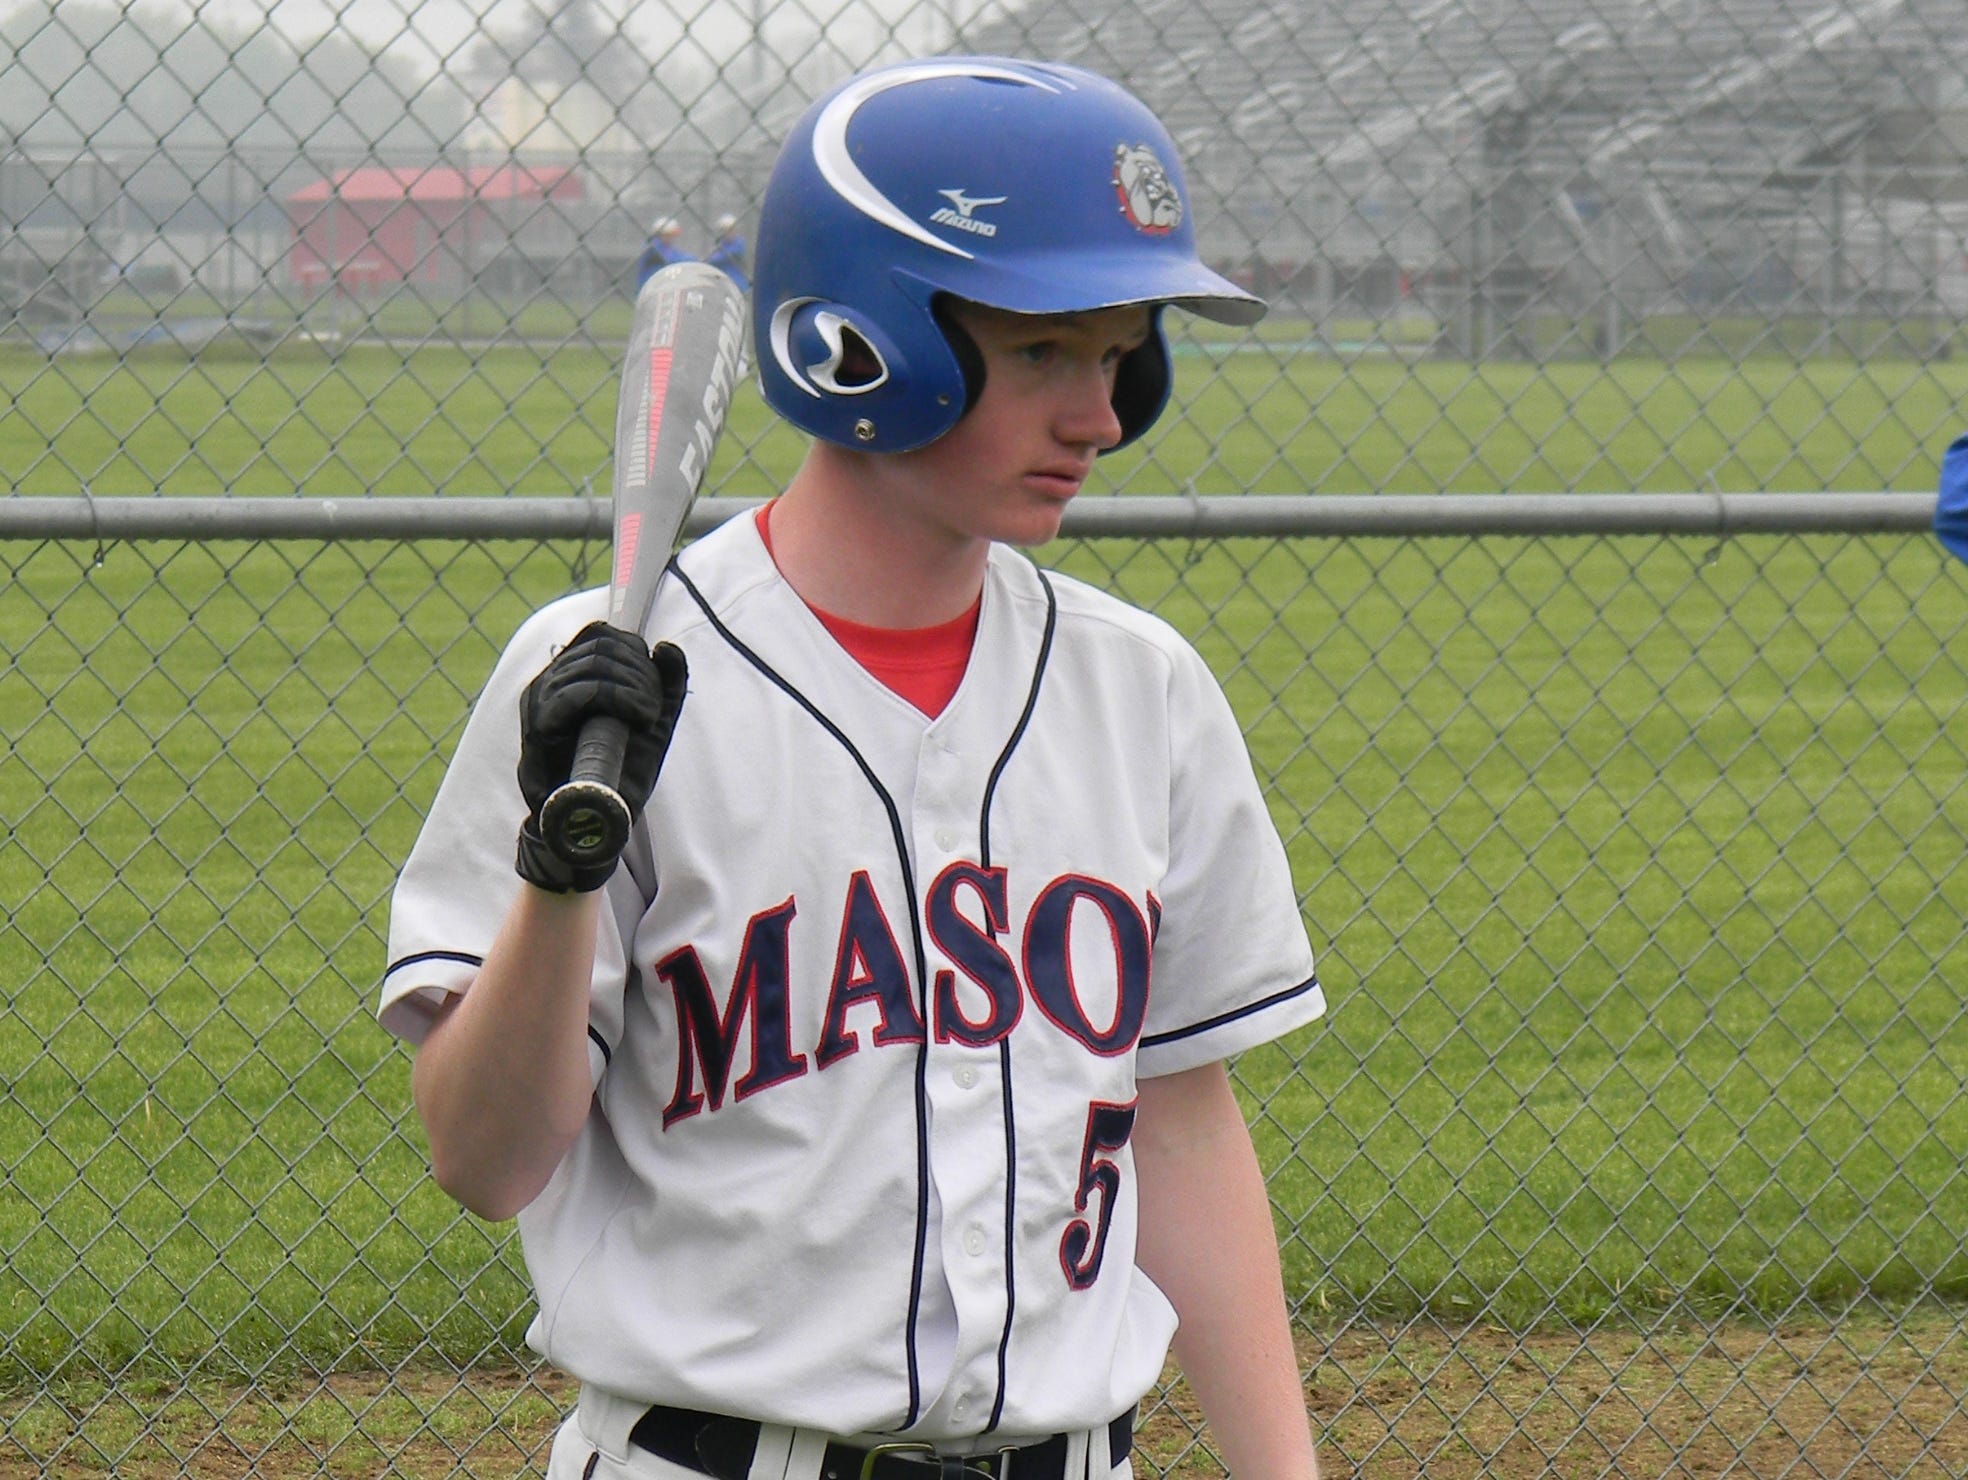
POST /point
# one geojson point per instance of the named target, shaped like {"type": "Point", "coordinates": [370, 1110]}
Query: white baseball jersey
{"type": "Point", "coordinates": [872, 995]}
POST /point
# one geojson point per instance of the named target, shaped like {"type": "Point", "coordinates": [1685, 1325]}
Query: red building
{"type": "Point", "coordinates": [367, 227]}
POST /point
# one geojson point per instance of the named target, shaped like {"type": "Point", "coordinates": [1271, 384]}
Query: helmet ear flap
{"type": "Point", "coordinates": [823, 350]}
{"type": "Point", "coordinates": [1141, 383]}
{"type": "Point", "coordinates": [970, 359]}
{"type": "Point", "coordinates": [1141, 380]}
{"type": "Point", "coordinates": [837, 372]}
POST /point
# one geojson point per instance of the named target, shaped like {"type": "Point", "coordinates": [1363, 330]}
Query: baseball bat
{"type": "Point", "coordinates": [684, 347]}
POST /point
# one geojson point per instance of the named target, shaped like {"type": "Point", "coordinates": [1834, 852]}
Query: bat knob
{"type": "Point", "coordinates": [585, 822]}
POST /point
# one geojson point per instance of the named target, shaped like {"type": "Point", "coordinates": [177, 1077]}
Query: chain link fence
{"type": "Point", "coordinates": [1630, 827]}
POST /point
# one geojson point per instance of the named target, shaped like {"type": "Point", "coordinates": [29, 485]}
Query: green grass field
{"type": "Point", "coordinates": [376, 419]}
{"type": "Point", "coordinates": [1636, 866]}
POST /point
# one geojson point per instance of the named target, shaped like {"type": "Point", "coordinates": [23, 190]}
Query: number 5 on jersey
{"type": "Point", "coordinates": [1084, 1244]}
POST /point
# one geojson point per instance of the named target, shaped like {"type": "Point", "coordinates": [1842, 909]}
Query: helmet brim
{"type": "Point", "coordinates": [1078, 282]}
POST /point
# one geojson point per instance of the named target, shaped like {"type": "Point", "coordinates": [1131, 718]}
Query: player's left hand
{"type": "Point", "coordinates": [602, 670]}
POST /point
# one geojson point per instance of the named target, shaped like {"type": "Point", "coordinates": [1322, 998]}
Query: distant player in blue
{"type": "Point", "coordinates": [728, 254]}
{"type": "Point", "coordinates": [1951, 510]}
{"type": "Point", "coordinates": [661, 250]}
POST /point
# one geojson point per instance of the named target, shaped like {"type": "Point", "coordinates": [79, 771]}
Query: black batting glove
{"type": "Point", "coordinates": [602, 671]}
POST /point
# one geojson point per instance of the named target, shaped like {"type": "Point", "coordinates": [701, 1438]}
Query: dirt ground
{"type": "Point", "coordinates": [1859, 1401]}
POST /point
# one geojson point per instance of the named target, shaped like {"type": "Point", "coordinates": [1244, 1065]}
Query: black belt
{"type": "Point", "coordinates": [721, 1447]}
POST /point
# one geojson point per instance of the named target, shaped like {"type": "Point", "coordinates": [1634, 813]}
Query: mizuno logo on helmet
{"type": "Point", "coordinates": [960, 218]}
{"type": "Point", "coordinates": [837, 164]}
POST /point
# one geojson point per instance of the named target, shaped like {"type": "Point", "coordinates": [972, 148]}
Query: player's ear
{"type": "Point", "coordinates": [970, 359]}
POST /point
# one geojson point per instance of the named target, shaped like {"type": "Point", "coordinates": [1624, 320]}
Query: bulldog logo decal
{"type": "Point", "coordinates": [1146, 193]}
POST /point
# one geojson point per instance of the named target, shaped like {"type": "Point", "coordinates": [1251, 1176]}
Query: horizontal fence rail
{"type": "Point", "coordinates": [1332, 516]}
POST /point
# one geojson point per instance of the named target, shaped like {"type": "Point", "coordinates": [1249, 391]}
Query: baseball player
{"type": "Point", "coordinates": [664, 247]}
{"type": "Point", "coordinates": [727, 253]}
{"type": "Point", "coordinates": [868, 1118]}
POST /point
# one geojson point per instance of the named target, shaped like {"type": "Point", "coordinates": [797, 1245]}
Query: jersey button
{"type": "Point", "coordinates": [973, 1240]}
{"type": "Point", "coordinates": [966, 1077]}
{"type": "Point", "coordinates": [946, 839]}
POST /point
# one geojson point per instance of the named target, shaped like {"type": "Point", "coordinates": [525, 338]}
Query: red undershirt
{"type": "Point", "coordinates": [922, 664]}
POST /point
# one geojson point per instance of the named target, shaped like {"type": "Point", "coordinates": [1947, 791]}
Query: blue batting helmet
{"type": "Point", "coordinates": [1023, 186]}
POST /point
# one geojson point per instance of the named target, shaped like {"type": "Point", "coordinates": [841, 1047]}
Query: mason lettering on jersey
{"type": "Point", "coordinates": [978, 996]}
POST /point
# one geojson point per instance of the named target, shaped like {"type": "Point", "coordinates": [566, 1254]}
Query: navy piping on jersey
{"type": "Point", "coordinates": [463, 958]}
{"type": "Point", "coordinates": [466, 958]}
{"type": "Point", "coordinates": [1154, 1040]}
{"type": "Point", "coordinates": [772, 676]}
{"type": "Point", "coordinates": [1004, 1044]}
{"type": "Point", "coordinates": [1024, 719]}
{"type": "Point", "coordinates": [1010, 1231]}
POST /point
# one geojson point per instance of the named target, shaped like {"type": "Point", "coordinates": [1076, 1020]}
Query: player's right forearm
{"type": "Point", "coordinates": [502, 1081]}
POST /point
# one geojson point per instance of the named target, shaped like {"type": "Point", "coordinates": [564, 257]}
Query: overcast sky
{"type": "Point", "coordinates": [435, 29]}
{"type": "Point", "coordinates": [444, 25]}
{"type": "Point", "coordinates": [334, 76]}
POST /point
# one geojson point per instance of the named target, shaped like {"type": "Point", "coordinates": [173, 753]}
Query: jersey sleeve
{"type": "Point", "coordinates": [1232, 967]}
{"type": "Point", "coordinates": [458, 882]}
